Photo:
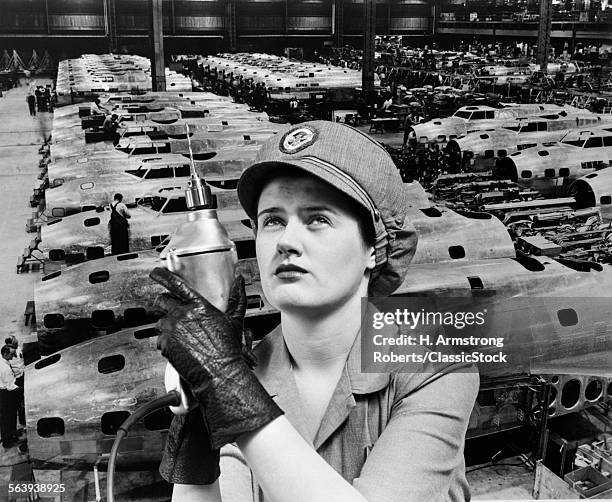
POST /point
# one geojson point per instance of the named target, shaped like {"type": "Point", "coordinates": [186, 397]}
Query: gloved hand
{"type": "Point", "coordinates": [203, 345]}
{"type": "Point", "coordinates": [188, 456]}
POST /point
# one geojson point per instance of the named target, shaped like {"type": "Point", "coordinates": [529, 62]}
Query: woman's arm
{"type": "Point", "coordinates": [419, 455]}
{"type": "Point", "coordinates": [196, 493]}
{"type": "Point", "coordinates": [289, 470]}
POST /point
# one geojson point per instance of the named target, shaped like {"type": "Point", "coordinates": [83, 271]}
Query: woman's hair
{"type": "Point", "coordinates": [362, 215]}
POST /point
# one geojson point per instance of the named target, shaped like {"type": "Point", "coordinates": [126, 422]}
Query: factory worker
{"type": "Point", "coordinates": [95, 108]}
{"type": "Point", "coordinates": [118, 226]}
{"type": "Point", "coordinates": [329, 210]}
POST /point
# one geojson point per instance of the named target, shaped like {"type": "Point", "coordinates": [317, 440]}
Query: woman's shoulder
{"type": "Point", "coordinates": [455, 377]}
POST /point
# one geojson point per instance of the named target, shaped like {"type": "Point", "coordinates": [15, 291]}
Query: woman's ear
{"type": "Point", "coordinates": [371, 259]}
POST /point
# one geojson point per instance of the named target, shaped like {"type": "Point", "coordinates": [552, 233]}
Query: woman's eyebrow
{"type": "Point", "coordinates": [269, 210]}
{"type": "Point", "coordinates": [331, 209]}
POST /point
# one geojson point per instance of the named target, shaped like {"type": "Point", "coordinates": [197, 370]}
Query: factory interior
{"type": "Point", "coordinates": [496, 113]}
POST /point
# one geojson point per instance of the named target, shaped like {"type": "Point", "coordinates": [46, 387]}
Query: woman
{"type": "Point", "coordinates": [328, 207]}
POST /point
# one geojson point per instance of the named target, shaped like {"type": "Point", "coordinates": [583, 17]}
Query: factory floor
{"type": "Point", "coordinates": [20, 139]}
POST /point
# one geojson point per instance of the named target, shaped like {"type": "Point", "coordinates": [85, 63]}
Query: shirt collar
{"type": "Point", "coordinates": [274, 366]}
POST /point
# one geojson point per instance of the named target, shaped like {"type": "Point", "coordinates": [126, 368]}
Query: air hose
{"type": "Point", "coordinates": [172, 398]}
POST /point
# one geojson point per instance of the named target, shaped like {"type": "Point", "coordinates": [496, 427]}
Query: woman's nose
{"type": "Point", "coordinates": [289, 241]}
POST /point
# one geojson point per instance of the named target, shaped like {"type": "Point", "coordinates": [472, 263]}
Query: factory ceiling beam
{"type": "Point", "coordinates": [158, 72]}
{"type": "Point", "coordinates": [369, 33]}
{"type": "Point", "coordinates": [544, 33]}
{"type": "Point", "coordinates": [230, 23]}
{"type": "Point", "coordinates": [47, 23]}
{"type": "Point", "coordinates": [110, 22]}
{"type": "Point", "coordinates": [338, 22]}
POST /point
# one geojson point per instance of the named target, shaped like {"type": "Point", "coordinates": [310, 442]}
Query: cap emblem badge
{"type": "Point", "coordinates": [297, 139]}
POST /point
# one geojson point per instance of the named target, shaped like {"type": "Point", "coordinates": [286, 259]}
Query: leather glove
{"type": "Point", "coordinates": [188, 457]}
{"type": "Point", "coordinates": [203, 345]}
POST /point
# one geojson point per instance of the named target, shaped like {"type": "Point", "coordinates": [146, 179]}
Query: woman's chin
{"type": "Point", "coordinates": [293, 303]}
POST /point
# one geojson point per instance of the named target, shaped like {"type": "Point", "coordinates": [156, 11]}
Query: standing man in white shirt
{"type": "Point", "coordinates": [9, 394]}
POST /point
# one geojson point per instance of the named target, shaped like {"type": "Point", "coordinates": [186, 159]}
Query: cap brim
{"type": "Point", "coordinates": [255, 177]}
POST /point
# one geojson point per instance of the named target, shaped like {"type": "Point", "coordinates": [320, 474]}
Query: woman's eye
{"type": "Point", "coordinates": [270, 221]}
{"type": "Point", "coordinates": [319, 220]}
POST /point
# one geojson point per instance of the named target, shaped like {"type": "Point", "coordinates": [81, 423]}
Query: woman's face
{"type": "Point", "coordinates": [310, 249]}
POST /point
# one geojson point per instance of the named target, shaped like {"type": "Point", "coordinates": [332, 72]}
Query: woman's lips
{"type": "Point", "coordinates": [289, 272]}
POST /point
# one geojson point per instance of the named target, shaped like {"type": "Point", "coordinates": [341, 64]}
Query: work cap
{"type": "Point", "coordinates": [358, 166]}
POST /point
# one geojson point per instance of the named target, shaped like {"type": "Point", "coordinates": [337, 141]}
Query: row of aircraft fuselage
{"type": "Point", "coordinates": [547, 148]}
{"type": "Point", "coordinates": [95, 314]}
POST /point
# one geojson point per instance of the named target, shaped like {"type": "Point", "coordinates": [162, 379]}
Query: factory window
{"type": "Point", "coordinates": [53, 321]}
{"type": "Point", "coordinates": [549, 173]}
{"type": "Point", "coordinates": [475, 282]}
{"type": "Point", "coordinates": [100, 276]}
{"type": "Point", "coordinates": [159, 173]}
{"type": "Point", "coordinates": [605, 200]}
{"type": "Point", "coordinates": [52, 275]}
{"type": "Point", "coordinates": [141, 334]}
{"type": "Point", "coordinates": [102, 319]}
{"type": "Point", "coordinates": [143, 150]}
{"type": "Point", "coordinates": [176, 205]}
{"type": "Point", "coordinates": [574, 142]}
{"type": "Point", "coordinates": [111, 364]}
{"type": "Point", "coordinates": [254, 302]}
{"type": "Point", "coordinates": [91, 222]}
{"type": "Point", "coordinates": [593, 143]}
{"type": "Point", "coordinates": [456, 252]}
{"type": "Point", "coordinates": [432, 212]}
{"type": "Point", "coordinates": [182, 170]}
{"type": "Point", "coordinates": [110, 422]}
{"type": "Point", "coordinates": [50, 427]}
{"type": "Point", "coordinates": [134, 316]}
{"type": "Point", "coordinates": [87, 186]}
{"type": "Point", "coordinates": [158, 420]}
{"type": "Point", "coordinates": [525, 146]}
{"type": "Point", "coordinates": [567, 317]}
{"type": "Point", "coordinates": [593, 390]}
{"type": "Point", "coordinates": [57, 255]}
{"type": "Point", "coordinates": [47, 361]}
{"type": "Point", "coordinates": [570, 395]}
{"type": "Point", "coordinates": [526, 173]}
{"type": "Point", "coordinates": [94, 252]}
{"type": "Point", "coordinates": [245, 249]}
{"type": "Point", "coordinates": [156, 240]}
